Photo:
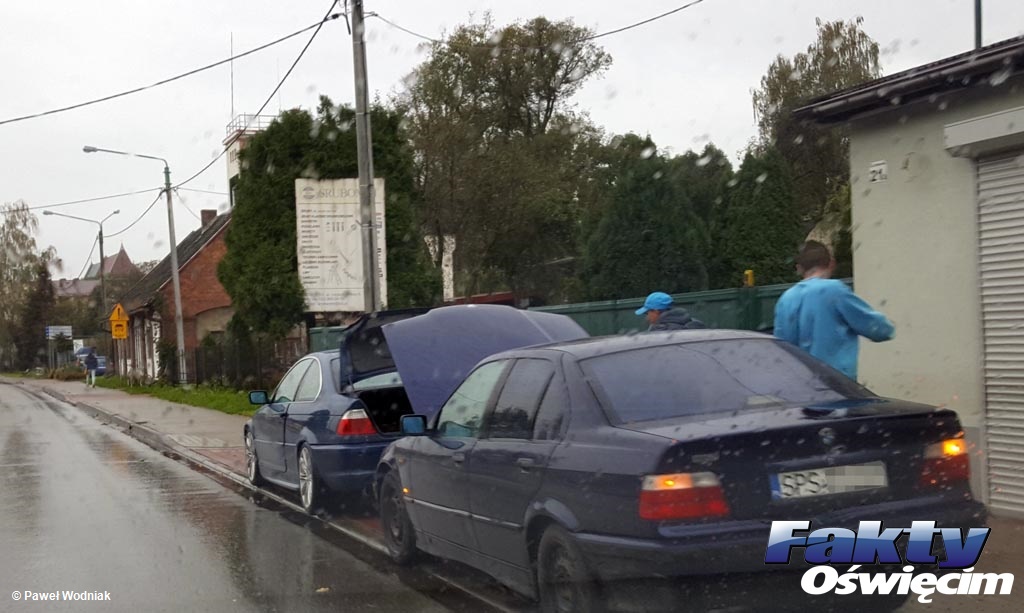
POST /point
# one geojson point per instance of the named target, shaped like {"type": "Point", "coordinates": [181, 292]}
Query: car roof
{"type": "Point", "coordinates": [591, 347]}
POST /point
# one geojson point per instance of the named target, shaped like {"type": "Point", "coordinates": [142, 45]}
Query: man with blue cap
{"type": "Point", "coordinates": [661, 315]}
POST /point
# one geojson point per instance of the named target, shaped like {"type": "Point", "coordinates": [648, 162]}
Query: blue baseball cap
{"type": "Point", "coordinates": [658, 301]}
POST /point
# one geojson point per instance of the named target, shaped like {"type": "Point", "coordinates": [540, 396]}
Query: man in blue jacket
{"type": "Point", "coordinates": [823, 316]}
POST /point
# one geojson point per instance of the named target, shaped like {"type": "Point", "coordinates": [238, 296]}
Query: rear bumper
{"type": "Point", "coordinates": [739, 546]}
{"type": "Point", "coordinates": [348, 468]}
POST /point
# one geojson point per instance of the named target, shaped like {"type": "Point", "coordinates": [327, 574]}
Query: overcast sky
{"type": "Point", "coordinates": [684, 79]}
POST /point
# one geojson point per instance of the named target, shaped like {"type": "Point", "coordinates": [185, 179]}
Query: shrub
{"type": "Point", "coordinates": [67, 373]}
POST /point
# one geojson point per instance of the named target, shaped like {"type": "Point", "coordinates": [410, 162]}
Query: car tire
{"type": "Point", "coordinates": [563, 580]}
{"type": "Point", "coordinates": [252, 462]}
{"type": "Point", "coordinates": [399, 534]}
{"type": "Point", "coordinates": [309, 482]}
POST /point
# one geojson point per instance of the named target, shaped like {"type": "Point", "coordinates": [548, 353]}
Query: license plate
{"type": "Point", "coordinates": [828, 480]}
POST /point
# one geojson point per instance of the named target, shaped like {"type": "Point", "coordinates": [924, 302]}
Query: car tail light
{"type": "Point", "coordinates": [356, 423]}
{"type": "Point", "coordinates": [682, 496]}
{"type": "Point", "coordinates": [945, 462]}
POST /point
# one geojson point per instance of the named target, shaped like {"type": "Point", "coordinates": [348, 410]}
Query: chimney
{"type": "Point", "coordinates": [207, 216]}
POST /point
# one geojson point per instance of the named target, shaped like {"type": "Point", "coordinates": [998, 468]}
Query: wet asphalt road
{"type": "Point", "coordinates": [84, 507]}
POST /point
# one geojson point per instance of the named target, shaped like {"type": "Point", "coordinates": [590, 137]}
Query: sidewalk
{"type": "Point", "coordinates": [162, 424]}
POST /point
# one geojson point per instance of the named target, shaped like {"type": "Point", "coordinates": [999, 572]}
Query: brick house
{"type": "Point", "coordinates": [206, 306]}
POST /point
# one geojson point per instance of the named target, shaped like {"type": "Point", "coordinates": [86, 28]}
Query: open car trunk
{"type": "Point", "coordinates": [365, 370]}
{"type": "Point", "coordinates": [386, 406]}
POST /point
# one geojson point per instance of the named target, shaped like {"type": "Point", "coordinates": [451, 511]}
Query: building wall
{"type": "Point", "coordinates": [201, 292]}
{"type": "Point", "coordinates": [916, 256]}
{"type": "Point", "coordinates": [214, 320]}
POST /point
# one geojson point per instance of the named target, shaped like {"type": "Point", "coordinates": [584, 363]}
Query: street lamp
{"type": "Point", "coordinates": [175, 280]}
{"type": "Point", "coordinates": [103, 284]}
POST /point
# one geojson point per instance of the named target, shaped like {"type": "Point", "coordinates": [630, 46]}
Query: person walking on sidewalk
{"type": "Point", "coordinates": [662, 315]}
{"type": "Point", "coordinates": [91, 364]}
{"type": "Point", "coordinates": [823, 316]}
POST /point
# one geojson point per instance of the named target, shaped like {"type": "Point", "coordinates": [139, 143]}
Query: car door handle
{"type": "Point", "coordinates": [526, 463]}
{"type": "Point", "coordinates": [458, 457]}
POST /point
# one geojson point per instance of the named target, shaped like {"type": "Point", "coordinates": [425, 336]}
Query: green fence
{"type": "Point", "coordinates": [746, 308]}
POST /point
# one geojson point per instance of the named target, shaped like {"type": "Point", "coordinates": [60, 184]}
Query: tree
{"type": "Point", "coordinates": [499, 147]}
{"type": "Point", "coordinates": [648, 237]}
{"type": "Point", "coordinates": [842, 56]}
{"type": "Point", "coordinates": [759, 226]}
{"type": "Point", "coordinates": [30, 337]}
{"type": "Point", "coordinates": [703, 176]}
{"type": "Point", "coordinates": [259, 270]}
{"type": "Point", "coordinates": [19, 261]}
{"type": "Point", "coordinates": [82, 315]}
{"type": "Point", "coordinates": [145, 267]}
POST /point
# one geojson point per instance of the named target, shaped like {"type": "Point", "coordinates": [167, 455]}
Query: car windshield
{"type": "Point", "coordinates": [388, 379]}
{"type": "Point", "coordinates": [696, 378]}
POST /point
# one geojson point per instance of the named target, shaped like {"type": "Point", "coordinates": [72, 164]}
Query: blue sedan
{"type": "Point", "coordinates": [323, 429]}
{"type": "Point", "coordinates": [568, 469]}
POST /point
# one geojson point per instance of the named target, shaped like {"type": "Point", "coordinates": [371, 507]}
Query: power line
{"type": "Point", "coordinates": [582, 40]}
{"type": "Point", "coordinates": [239, 133]}
{"type": "Point", "coordinates": [645, 21]}
{"type": "Point", "coordinates": [204, 191]}
{"type": "Point", "coordinates": [187, 208]}
{"type": "Point", "coordinates": [63, 109]}
{"type": "Point", "coordinates": [88, 259]}
{"type": "Point", "coordinates": [406, 30]}
{"type": "Point", "coordinates": [137, 219]}
{"type": "Point", "coordinates": [95, 199]}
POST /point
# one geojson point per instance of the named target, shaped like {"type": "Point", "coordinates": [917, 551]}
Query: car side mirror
{"type": "Point", "coordinates": [258, 398]}
{"type": "Point", "coordinates": [414, 425]}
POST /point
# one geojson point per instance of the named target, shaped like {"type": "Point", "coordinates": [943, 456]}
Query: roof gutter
{"type": "Point", "coordinates": [959, 74]}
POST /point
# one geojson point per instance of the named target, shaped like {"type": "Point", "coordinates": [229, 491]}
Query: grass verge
{"type": "Point", "coordinates": [219, 399]}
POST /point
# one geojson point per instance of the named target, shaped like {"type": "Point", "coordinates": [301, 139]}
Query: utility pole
{"type": "Point", "coordinates": [104, 324]}
{"type": "Point", "coordinates": [364, 146]}
{"type": "Point", "coordinates": [977, 24]}
{"type": "Point", "coordinates": [179, 327]}
{"type": "Point", "coordinates": [103, 278]}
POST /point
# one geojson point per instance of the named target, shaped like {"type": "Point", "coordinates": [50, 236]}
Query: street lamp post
{"type": "Point", "coordinates": [175, 279]}
{"type": "Point", "coordinates": [103, 275]}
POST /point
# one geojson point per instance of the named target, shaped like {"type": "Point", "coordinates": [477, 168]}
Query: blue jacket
{"type": "Point", "coordinates": [824, 317]}
{"type": "Point", "coordinates": [91, 363]}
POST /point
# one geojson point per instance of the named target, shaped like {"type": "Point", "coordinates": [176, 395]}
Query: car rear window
{"type": "Point", "coordinates": [651, 383]}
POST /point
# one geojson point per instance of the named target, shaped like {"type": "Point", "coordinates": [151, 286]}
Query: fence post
{"type": "Point", "coordinates": [749, 308]}
{"type": "Point", "coordinates": [259, 361]}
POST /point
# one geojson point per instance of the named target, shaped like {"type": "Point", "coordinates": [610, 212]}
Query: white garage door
{"type": "Point", "coordinates": [1001, 225]}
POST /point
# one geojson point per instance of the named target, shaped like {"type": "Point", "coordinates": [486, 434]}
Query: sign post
{"type": "Point", "coordinates": [118, 331]}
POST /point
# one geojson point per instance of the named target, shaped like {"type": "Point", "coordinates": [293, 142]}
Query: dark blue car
{"type": "Point", "coordinates": [323, 429]}
{"type": "Point", "coordinates": [570, 469]}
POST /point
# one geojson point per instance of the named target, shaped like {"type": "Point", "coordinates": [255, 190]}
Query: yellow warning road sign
{"type": "Point", "coordinates": [118, 314]}
{"type": "Point", "coordinates": [119, 322]}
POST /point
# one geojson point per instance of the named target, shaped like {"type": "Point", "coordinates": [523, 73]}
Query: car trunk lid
{"type": "Point", "coordinates": [363, 351]}
{"type": "Point", "coordinates": [434, 352]}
